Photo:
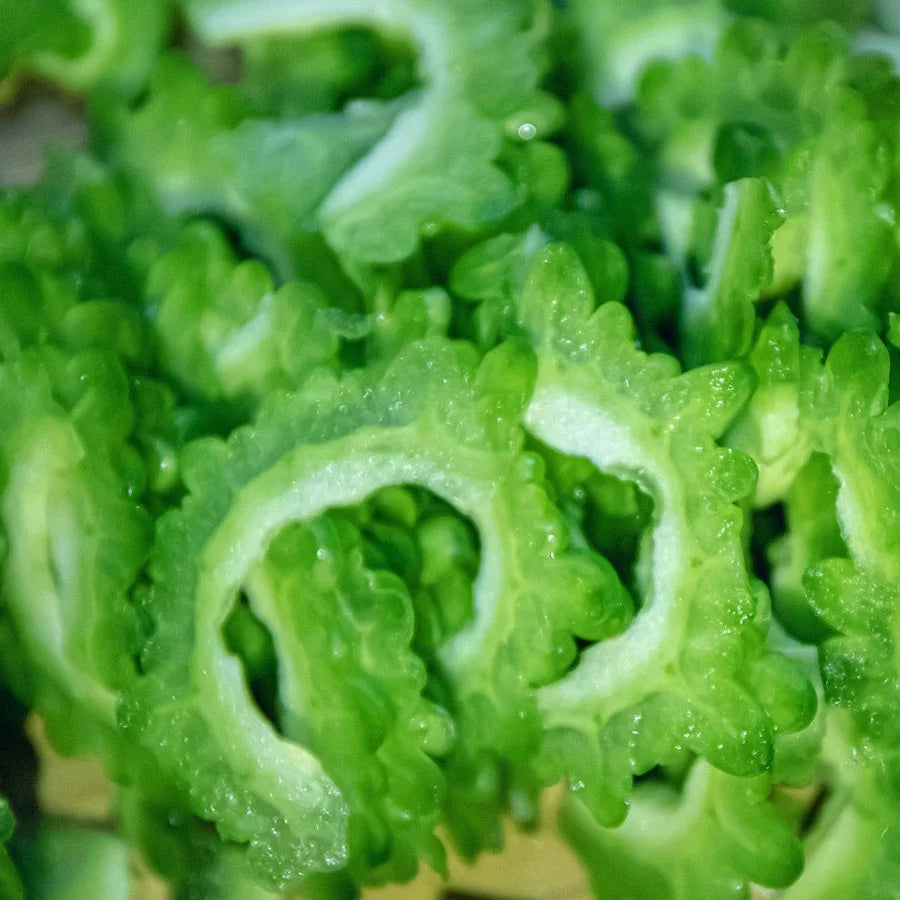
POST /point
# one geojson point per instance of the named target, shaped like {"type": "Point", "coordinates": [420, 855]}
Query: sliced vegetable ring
{"type": "Point", "coordinates": [421, 162]}
{"type": "Point", "coordinates": [690, 674]}
{"type": "Point", "coordinates": [436, 420]}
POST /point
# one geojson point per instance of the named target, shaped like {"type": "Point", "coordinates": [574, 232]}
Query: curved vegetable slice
{"type": "Point", "coordinates": [853, 848]}
{"type": "Point", "coordinates": [74, 534]}
{"type": "Point", "coordinates": [434, 421]}
{"type": "Point", "coordinates": [75, 537]}
{"type": "Point", "coordinates": [719, 318]}
{"type": "Point", "coordinates": [835, 578]}
{"type": "Point", "coordinates": [802, 116]}
{"type": "Point", "coordinates": [376, 175]}
{"type": "Point", "coordinates": [772, 428]}
{"type": "Point", "coordinates": [266, 176]}
{"type": "Point", "coordinates": [223, 330]}
{"type": "Point", "coordinates": [707, 840]}
{"type": "Point", "coordinates": [813, 534]}
{"type": "Point", "coordinates": [842, 441]}
{"type": "Point", "coordinates": [848, 407]}
{"type": "Point", "coordinates": [858, 598]}
{"type": "Point", "coordinates": [350, 689]}
{"type": "Point", "coordinates": [839, 410]}
{"type": "Point", "coordinates": [690, 672]}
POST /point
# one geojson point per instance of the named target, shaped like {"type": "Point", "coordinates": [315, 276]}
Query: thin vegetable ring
{"type": "Point", "coordinates": [690, 673]}
{"type": "Point", "coordinates": [436, 421]}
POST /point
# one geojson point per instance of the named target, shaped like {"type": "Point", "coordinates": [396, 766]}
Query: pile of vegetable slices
{"type": "Point", "coordinates": [406, 406]}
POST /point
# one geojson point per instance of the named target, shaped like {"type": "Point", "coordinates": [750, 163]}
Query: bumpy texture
{"type": "Point", "coordinates": [224, 331]}
{"type": "Point", "coordinates": [409, 405]}
{"type": "Point", "coordinates": [74, 533]}
{"type": "Point", "coordinates": [421, 162]}
{"type": "Point", "coordinates": [801, 118]}
{"type": "Point", "coordinates": [74, 538]}
{"type": "Point", "coordinates": [837, 467]}
{"type": "Point", "coordinates": [707, 840]}
{"type": "Point", "coordinates": [691, 673]}
{"type": "Point", "coordinates": [433, 420]}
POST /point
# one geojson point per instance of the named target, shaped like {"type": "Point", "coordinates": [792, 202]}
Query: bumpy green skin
{"type": "Point", "coordinates": [691, 672]}
{"type": "Point", "coordinates": [75, 463]}
{"type": "Point", "coordinates": [435, 421]}
{"type": "Point", "coordinates": [835, 580]}
{"type": "Point", "coordinates": [719, 319]}
{"type": "Point", "coordinates": [322, 670]}
{"type": "Point", "coordinates": [804, 115]}
{"type": "Point", "coordinates": [490, 276]}
{"type": "Point", "coordinates": [73, 253]}
{"type": "Point", "coordinates": [223, 331]}
{"type": "Point", "coordinates": [709, 841]}
{"type": "Point", "coordinates": [183, 850]}
{"type": "Point", "coordinates": [838, 437]}
{"type": "Point", "coordinates": [266, 176]}
{"type": "Point", "coordinates": [350, 688]}
{"type": "Point", "coordinates": [848, 408]}
{"type": "Point", "coordinates": [813, 534]}
{"type": "Point", "coordinates": [853, 848]}
{"type": "Point", "coordinates": [771, 428]}
{"type": "Point", "coordinates": [75, 538]}
{"type": "Point", "coordinates": [858, 599]}
{"type": "Point", "coordinates": [420, 163]}
{"type": "Point", "coordinates": [111, 43]}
